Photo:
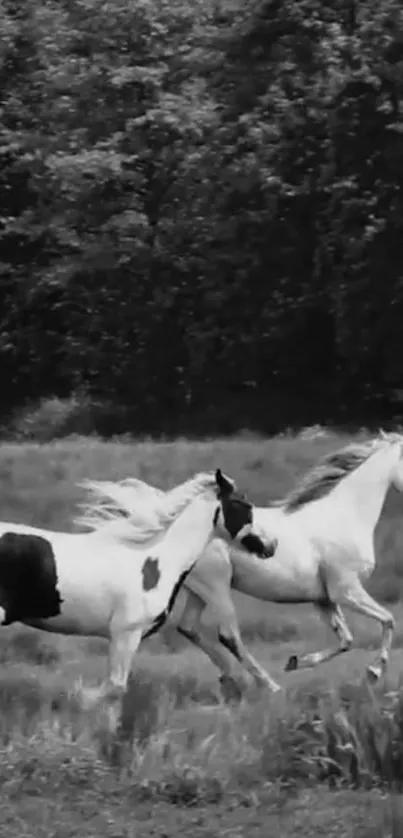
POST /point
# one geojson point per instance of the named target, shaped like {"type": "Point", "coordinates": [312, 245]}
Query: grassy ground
{"type": "Point", "coordinates": [229, 771]}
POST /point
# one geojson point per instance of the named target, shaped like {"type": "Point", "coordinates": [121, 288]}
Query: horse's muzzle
{"type": "Point", "coordinates": [253, 544]}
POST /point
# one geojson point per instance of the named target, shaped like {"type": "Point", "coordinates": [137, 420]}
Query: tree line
{"type": "Point", "coordinates": [201, 219]}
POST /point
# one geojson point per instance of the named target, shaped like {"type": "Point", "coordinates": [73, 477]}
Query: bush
{"type": "Point", "coordinates": [29, 647]}
{"type": "Point", "coordinates": [53, 419]}
{"type": "Point", "coordinates": [75, 416]}
{"type": "Point", "coordinates": [350, 738]}
{"type": "Point", "coordinates": [268, 631]}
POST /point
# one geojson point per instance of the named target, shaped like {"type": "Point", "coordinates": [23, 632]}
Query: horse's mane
{"type": "Point", "coordinates": [131, 509]}
{"type": "Point", "coordinates": [332, 469]}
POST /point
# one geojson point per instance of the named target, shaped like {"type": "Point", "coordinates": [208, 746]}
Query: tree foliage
{"type": "Point", "coordinates": [202, 210]}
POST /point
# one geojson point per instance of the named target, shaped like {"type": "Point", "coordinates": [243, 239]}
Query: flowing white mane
{"type": "Point", "coordinates": [333, 468]}
{"type": "Point", "coordinates": [133, 510]}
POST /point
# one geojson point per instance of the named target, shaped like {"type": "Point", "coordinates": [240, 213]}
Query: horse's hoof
{"type": "Point", "coordinates": [88, 697]}
{"type": "Point", "coordinates": [230, 690]}
{"type": "Point", "coordinates": [291, 664]}
{"type": "Point", "coordinates": [75, 691]}
{"type": "Point", "coordinates": [374, 673]}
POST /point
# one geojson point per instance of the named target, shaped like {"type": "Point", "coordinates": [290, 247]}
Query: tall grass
{"type": "Point", "coordinates": [167, 745]}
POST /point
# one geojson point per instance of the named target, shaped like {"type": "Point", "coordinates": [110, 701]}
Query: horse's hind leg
{"type": "Point", "coordinates": [333, 617]}
{"type": "Point", "coordinates": [357, 598]}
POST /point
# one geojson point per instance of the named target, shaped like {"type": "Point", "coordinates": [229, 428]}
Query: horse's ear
{"type": "Point", "coordinates": [224, 485]}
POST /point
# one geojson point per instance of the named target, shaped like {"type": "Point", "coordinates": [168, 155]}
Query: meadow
{"type": "Point", "coordinates": [324, 757]}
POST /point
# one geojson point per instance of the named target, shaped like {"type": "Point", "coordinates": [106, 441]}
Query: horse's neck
{"type": "Point", "coordinates": [268, 517]}
{"type": "Point", "coordinates": [185, 490]}
{"type": "Point", "coordinates": [189, 535]}
{"type": "Point", "coordinates": [364, 491]}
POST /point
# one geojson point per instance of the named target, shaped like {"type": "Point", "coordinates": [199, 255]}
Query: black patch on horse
{"type": "Point", "coordinates": [28, 578]}
{"type": "Point", "coordinates": [237, 512]}
{"type": "Point", "coordinates": [236, 509]}
{"type": "Point", "coordinates": [151, 574]}
{"type": "Point", "coordinates": [253, 543]}
{"type": "Point", "coordinates": [162, 618]}
{"type": "Point", "coordinates": [230, 644]}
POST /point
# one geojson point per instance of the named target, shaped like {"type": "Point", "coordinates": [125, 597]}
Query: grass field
{"type": "Point", "coordinates": [325, 757]}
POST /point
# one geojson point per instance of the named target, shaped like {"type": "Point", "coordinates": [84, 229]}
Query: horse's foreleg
{"type": "Point", "coordinates": [228, 645]}
{"type": "Point", "coordinates": [222, 651]}
{"type": "Point", "coordinates": [123, 644]}
{"type": "Point", "coordinates": [229, 637]}
{"type": "Point", "coordinates": [122, 649]}
{"type": "Point", "coordinates": [188, 625]}
{"type": "Point", "coordinates": [334, 617]}
{"type": "Point", "coordinates": [218, 656]}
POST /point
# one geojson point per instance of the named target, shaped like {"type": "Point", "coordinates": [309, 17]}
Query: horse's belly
{"type": "Point", "coordinates": [88, 593]}
{"type": "Point", "coordinates": [277, 580]}
{"type": "Point", "coordinates": [74, 623]}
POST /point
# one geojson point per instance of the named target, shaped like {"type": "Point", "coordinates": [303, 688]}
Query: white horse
{"type": "Point", "coordinates": [325, 531]}
{"type": "Point", "coordinates": [119, 581]}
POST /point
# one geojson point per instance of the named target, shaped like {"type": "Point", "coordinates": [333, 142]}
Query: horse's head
{"type": "Point", "coordinates": [234, 515]}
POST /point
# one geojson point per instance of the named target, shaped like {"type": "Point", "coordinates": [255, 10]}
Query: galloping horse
{"type": "Point", "coordinates": [119, 581]}
{"type": "Point", "coordinates": [325, 531]}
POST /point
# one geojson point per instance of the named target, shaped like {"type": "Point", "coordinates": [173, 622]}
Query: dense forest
{"type": "Point", "coordinates": [201, 220]}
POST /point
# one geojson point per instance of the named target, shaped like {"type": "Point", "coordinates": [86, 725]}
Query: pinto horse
{"type": "Point", "coordinates": [120, 580]}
